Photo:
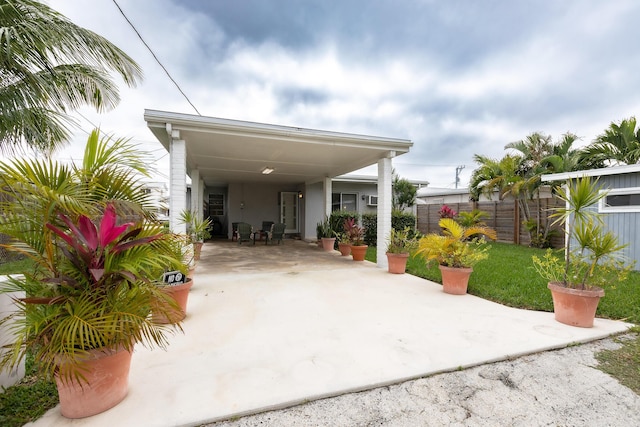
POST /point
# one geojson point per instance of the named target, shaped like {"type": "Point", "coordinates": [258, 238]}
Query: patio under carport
{"type": "Point", "coordinates": [265, 172]}
{"type": "Point", "coordinates": [274, 326]}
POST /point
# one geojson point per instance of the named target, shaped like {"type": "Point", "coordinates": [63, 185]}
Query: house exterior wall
{"type": "Point", "coordinates": [362, 191]}
{"type": "Point", "coordinates": [625, 225]}
{"type": "Point", "coordinates": [253, 203]}
{"type": "Point", "coordinates": [314, 209]}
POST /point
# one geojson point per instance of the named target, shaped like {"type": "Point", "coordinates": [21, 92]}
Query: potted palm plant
{"type": "Point", "coordinates": [355, 234]}
{"type": "Point", "coordinates": [175, 283]}
{"type": "Point", "coordinates": [576, 279]}
{"type": "Point", "coordinates": [455, 251]}
{"type": "Point", "coordinates": [327, 235]}
{"type": "Point", "coordinates": [197, 230]}
{"type": "Point", "coordinates": [401, 244]}
{"type": "Point", "coordinates": [87, 304]}
{"type": "Point", "coordinates": [90, 289]}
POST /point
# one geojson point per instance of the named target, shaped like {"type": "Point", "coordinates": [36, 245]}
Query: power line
{"type": "Point", "coordinates": [155, 57]}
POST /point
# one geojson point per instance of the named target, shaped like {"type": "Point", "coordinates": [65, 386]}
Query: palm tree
{"type": "Point", "coordinates": [619, 144]}
{"type": "Point", "coordinates": [562, 157]}
{"type": "Point", "coordinates": [495, 175]}
{"type": "Point", "coordinates": [34, 191]}
{"type": "Point", "coordinates": [533, 149]}
{"type": "Point", "coordinates": [48, 67]}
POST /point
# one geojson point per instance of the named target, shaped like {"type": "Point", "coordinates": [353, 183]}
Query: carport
{"type": "Point", "coordinates": [248, 172]}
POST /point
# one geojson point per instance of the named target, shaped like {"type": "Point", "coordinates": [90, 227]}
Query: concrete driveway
{"type": "Point", "coordinates": [273, 326]}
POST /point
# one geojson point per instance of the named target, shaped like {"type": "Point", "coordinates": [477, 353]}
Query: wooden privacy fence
{"type": "Point", "coordinates": [504, 216]}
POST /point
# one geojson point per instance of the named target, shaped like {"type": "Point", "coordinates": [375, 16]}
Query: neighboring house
{"type": "Point", "coordinates": [252, 172]}
{"type": "Point", "coordinates": [359, 193]}
{"type": "Point", "coordinates": [620, 208]}
{"type": "Point", "coordinates": [442, 196]}
{"type": "Point", "coordinates": [158, 198]}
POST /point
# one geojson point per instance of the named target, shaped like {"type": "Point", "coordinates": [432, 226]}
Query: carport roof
{"type": "Point", "coordinates": [226, 151]}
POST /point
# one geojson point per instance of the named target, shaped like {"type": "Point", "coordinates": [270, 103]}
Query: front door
{"type": "Point", "coordinates": [289, 211]}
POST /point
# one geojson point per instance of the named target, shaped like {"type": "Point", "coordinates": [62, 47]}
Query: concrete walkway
{"type": "Point", "coordinates": [270, 327]}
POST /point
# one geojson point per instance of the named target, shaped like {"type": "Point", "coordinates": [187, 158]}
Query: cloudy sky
{"type": "Point", "coordinates": [457, 77]}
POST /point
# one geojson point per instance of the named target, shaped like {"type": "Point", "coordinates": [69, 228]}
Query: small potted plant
{"type": "Point", "coordinates": [401, 244]}
{"type": "Point", "coordinates": [355, 234]}
{"type": "Point", "coordinates": [456, 251]}
{"type": "Point", "coordinates": [175, 283]}
{"type": "Point", "coordinates": [344, 245]}
{"type": "Point", "coordinates": [327, 235]}
{"type": "Point", "coordinates": [576, 279]}
{"type": "Point", "coordinates": [197, 230]}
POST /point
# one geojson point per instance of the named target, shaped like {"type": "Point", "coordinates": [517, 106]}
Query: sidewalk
{"type": "Point", "coordinates": [270, 327]}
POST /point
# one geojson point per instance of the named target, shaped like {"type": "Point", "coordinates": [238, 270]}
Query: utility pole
{"type": "Point", "coordinates": [458, 170]}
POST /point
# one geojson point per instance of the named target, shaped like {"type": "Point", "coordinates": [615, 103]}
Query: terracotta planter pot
{"type": "Point", "coordinates": [328, 243]}
{"type": "Point", "coordinates": [358, 252]}
{"type": "Point", "coordinates": [575, 307]}
{"type": "Point", "coordinates": [180, 293]}
{"type": "Point", "coordinates": [197, 250]}
{"type": "Point", "coordinates": [344, 248]}
{"type": "Point", "coordinates": [106, 372]}
{"type": "Point", "coordinates": [455, 279]}
{"type": "Point", "coordinates": [397, 262]}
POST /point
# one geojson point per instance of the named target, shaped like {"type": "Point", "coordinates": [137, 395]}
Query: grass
{"type": "Point", "coordinates": [28, 400]}
{"type": "Point", "coordinates": [15, 267]}
{"type": "Point", "coordinates": [624, 363]}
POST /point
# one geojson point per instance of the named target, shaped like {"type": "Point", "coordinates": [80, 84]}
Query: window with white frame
{"type": "Point", "coordinates": [344, 202]}
{"type": "Point", "coordinates": [620, 200]}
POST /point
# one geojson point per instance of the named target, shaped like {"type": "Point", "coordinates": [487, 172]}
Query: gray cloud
{"type": "Point", "coordinates": [458, 77]}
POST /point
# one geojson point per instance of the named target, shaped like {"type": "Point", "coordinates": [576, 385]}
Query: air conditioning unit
{"type": "Point", "coordinates": [372, 201]}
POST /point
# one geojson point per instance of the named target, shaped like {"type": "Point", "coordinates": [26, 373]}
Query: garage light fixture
{"type": "Point", "coordinates": [267, 170]}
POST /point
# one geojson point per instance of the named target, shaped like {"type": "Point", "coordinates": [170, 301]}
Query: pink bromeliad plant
{"type": "Point", "coordinates": [91, 248]}
{"type": "Point", "coordinates": [97, 291]}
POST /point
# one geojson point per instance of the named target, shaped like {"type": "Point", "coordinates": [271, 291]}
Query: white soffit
{"type": "Point", "coordinates": [226, 151]}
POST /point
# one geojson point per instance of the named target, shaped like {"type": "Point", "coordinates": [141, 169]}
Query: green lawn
{"type": "Point", "coordinates": [15, 267]}
{"type": "Point", "coordinates": [508, 277]}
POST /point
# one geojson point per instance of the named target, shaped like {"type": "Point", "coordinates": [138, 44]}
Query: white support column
{"type": "Point", "coordinates": [384, 208]}
{"type": "Point", "coordinates": [177, 184]}
{"type": "Point", "coordinates": [201, 198]}
{"type": "Point", "coordinates": [327, 189]}
{"type": "Point", "coordinates": [196, 193]}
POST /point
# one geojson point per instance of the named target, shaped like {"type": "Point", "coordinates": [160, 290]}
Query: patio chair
{"type": "Point", "coordinates": [266, 228]}
{"type": "Point", "coordinates": [276, 233]}
{"type": "Point", "coordinates": [245, 232]}
{"type": "Point", "coordinates": [234, 231]}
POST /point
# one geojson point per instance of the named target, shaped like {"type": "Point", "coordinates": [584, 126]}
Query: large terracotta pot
{"type": "Point", "coordinates": [358, 252]}
{"type": "Point", "coordinates": [106, 372]}
{"type": "Point", "coordinates": [344, 248]}
{"type": "Point", "coordinates": [328, 243]}
{"type": "Point", "coordinates": [575, 307]}
{"type": "Point", "coordinates": [180, 293]}
{"type": "Point", "coordinates": [397, 262]}
{"type": "Point", "coordinates": [455, 279]}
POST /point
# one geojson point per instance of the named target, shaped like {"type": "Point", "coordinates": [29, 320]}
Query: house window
{"type": "Point", "coordinates": [344, 202]}
{"type": "Point", "coordinates": [216, 205]}
{"type": "Point", "coordinates": [620, 200]}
